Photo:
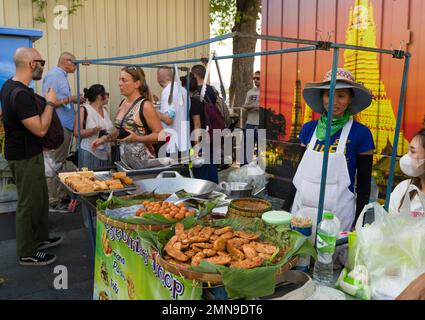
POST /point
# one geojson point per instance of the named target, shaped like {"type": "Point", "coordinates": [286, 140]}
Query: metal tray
{"type": "Point", "coordinates": [150, 170]}
{"type": "Point", "coordinates": [100, 175]}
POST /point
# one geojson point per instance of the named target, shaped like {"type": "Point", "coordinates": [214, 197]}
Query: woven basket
{"type": "Point", "coordinates": [205, 277]}
{"type": "Point", "coordinates": [248, 208]}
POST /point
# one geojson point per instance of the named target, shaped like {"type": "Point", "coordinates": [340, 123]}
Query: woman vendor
{"type": "Point", "coordinates": [137, 124]}
{"type": "Point", "coordinates": [350, 156]}
{"type": "Point", "coordinates": [408, 197]}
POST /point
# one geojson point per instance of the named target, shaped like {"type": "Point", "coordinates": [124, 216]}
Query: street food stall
{"type": "Point", "coordinates": [160, 244]}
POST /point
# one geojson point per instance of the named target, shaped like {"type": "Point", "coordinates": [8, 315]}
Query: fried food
{"type": "Point", "coordinates": [221, 231]}
{"type": "Point", "coordinates": [248, 263]}
{"type": "Point", "coordinates": [119, 175]}
{"type": "Point", "coordinates": [245, 235]}
{"type": "Point", "coordinates": [265, 248]}
{"type": "Point", "coordinates": [219, 246]}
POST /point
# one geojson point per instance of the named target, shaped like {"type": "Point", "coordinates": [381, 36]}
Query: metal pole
{"type": "Point", "coordinates": [397, 130]}
{"type": "Point", "coordinates": [78, 116]}
{"type": "Point", "coordinates": [328, 137]}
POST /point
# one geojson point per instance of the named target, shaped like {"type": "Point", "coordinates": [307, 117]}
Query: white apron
{"type": "Point", "coordinates": [338, 198]}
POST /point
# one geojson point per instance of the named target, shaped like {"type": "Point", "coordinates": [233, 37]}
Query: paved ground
{"type": "Point", "coordinates": [75, 253]}
{"type": "Point", "coordinates": [37, 282]}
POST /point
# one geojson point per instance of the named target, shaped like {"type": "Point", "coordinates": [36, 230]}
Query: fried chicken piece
{"type": "Point", "coordinates": [194, 231]}
{"type": "Point", "coordinates": [213, 238]}
{"type": "Point", "coordinates": [220, 260]}
{"type": "Point", "coordinates": [265, 248]}
{"type": "Point", "coordinates": [179, 230]}
{"type": "Point", "coordinates": [209, 252]}
{"type": "Point", "coordinates": [239, 242]}
{"type": "Point", "coordinates": [173, 248]}
{"type": "Point", "coordinates": [234, 252]}
{"type": "Point", "coordinates": [245, 235]}
{"type": "Point", "coordinates": [249, 251]}
{"type": "Point", "coordinates": [206, 232]}
{"type": "Point", "coordinates": [202, 245]}
{"type": "Point", "coordinates": [189, 253]}
{"type": "Point", "coordinates": [126, 180]}
{"type": "Point", "coordinates": [247, 263]}
{"type": "Point", "coordinates": [221, 231]}
{"type": "Point", "coordinates": [227, 235]}
{"type": "Point", "coordinates": [196, 260]}
{"type": "Point", "coordinates": [119, 175]}
{"type": "Point", "coordinates": [84, 188]}
{"type": "Point", "coordinates": [220, 244]}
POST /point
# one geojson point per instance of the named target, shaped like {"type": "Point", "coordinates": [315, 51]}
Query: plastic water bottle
{"type": "Point", "coordinates": [326, 239]}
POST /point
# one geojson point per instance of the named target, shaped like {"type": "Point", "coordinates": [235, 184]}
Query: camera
{"type": "Point", "coordinates": [102, 133]}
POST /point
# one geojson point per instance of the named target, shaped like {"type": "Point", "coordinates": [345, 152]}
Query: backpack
{"type": "Point", "coordinates": [222, 107]}
{"type": "Point", "coordinates": [55, 135]}
{"type": "Point", "coordinates": [213, 117]}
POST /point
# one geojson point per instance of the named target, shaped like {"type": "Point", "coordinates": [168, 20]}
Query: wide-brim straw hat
{"type": "Point", "coordinates": [344, 80]}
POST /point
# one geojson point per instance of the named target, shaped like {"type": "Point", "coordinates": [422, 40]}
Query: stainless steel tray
{"type": "Point", "coordinates": [150, 170]}
{"type": "Point", "coordinates": [100, 175]}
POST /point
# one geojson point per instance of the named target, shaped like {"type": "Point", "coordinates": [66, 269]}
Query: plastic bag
{"type": "Point", "coordinates": [251, 173]}
{"type": "Point", "coordinates": [392, 248]}
{"type": "Point", "coordinates": [51, 167]}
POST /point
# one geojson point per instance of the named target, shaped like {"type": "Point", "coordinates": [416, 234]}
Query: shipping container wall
{"type": "Point", "coordinates": [386, 24]}
{"type": "Point", "coordinates": [108, 28]}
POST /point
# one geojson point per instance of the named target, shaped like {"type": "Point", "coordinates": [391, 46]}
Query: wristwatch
{"type": "Point", "coordinates": [50, 103]}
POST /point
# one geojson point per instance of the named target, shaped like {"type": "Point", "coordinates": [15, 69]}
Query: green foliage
{"type": "Point", "coordinates": [42, 5]}
{"type": "Point", "coordinates": [222, 16]}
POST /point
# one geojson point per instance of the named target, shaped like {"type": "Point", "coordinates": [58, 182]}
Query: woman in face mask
{"type": "Point", "coordinates": [409, 196]}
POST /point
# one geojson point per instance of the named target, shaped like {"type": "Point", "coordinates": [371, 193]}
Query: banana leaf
{"type": "Point", "coordinates": [260, 281]}
{"type": "Point", "coordinates": [119, 202]}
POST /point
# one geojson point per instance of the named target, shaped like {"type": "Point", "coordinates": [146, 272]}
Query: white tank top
{"type": "Point", "coordinates": [94, 119]}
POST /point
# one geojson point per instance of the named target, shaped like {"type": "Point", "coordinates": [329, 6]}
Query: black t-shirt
{"type": "Point", "coordinates": [209, 93]}
{"type": "Point", "coordinates": [196, 108]}
{"type": "Point", "coordinates": [20, 143]}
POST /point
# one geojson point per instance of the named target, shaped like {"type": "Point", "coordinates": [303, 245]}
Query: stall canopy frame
{"type": "Point", "coordinates": [311, 45]}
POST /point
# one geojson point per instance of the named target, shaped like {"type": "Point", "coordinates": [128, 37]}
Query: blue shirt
{"type": "Point", "coordinates": [57, 79]}
{"type": "Point", "coordinates": [359, 141]}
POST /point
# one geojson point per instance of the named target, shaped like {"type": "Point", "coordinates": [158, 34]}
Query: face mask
{"type": "Point", "coordinates": [412, 167]}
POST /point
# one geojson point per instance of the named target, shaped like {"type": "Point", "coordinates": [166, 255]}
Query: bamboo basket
{"type": "Point", "coordinates": [248, 208]}
{"type": "Point", "coordinates": [205, 277]}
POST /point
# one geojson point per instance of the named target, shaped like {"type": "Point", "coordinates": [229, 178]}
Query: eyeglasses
{"type": "Point", "coordinates": [256, 78]}
{"type": "Point", "coordinates": [42, 62]}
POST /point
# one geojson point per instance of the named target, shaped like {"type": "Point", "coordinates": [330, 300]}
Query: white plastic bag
{"type": "Point", "coordinates": [393, 250]}
{"type": "Point", "coordinates": [50, 166]}
{"type": "Point", "coordinates": [251, 173]}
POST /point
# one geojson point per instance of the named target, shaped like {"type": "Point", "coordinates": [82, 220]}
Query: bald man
{"type": "Point", "coordinates": [25, 123]}
{"type": "Point", "coordinates": [174, 116]}
{"type": "Point", "coordinates": [57, 78]}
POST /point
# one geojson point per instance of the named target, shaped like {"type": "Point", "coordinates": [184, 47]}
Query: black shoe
{"type": "Point", "coordinates": [59, 208]}
{"type": "Point", "coordinates": [38, 259]}
{"type": "Point", "coordinates": [49, 243]}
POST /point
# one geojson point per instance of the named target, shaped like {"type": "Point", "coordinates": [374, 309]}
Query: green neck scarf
{"type": "Point", "coordinates": [337, 124]}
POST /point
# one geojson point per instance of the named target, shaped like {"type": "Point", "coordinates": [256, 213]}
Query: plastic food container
{"type": "Point", "coordinates": [276, 217]}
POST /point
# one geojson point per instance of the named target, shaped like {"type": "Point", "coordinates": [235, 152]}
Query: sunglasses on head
{"type": "Point", "coordinates": [42, 62]}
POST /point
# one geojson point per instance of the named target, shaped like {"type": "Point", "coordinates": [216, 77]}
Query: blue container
{"type": "Point", "coordinates": [304, 261]}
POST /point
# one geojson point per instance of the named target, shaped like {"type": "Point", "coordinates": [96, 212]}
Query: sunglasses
{"type": "Point", "coordinates": [42, 62]}
{"type": "Point", "coordinates": [256, 78]}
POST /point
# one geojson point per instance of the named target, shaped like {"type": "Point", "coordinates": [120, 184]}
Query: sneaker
{"type": "Point", "coordinates": [38, 259]}
{"type": "Point", "coordinates": [52, 242]}
{"type": "Point", "coordinates": [59, 208]}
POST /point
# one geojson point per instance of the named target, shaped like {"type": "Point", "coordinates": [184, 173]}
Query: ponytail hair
{"type": "Point", "coordinates": [93, 92]}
